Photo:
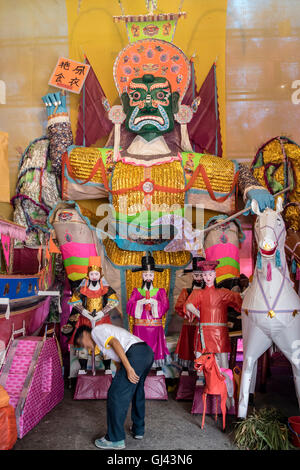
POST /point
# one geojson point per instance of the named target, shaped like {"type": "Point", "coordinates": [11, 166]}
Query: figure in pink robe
{"type": "Point", "coordinates": [146, 310]}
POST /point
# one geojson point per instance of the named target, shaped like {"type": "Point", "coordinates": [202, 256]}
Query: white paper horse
{"type": "Point", "coordinates": [271, 307]}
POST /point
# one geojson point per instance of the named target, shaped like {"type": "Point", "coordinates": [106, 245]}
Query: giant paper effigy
{"type": "Point", "coordinates": [150, 169]}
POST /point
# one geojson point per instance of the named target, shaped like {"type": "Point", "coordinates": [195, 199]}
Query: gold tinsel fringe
{"type": "Point", "coordinates": [272, 153]}
{"type": "Point", "coordinates": [219, 171]}
{"type": "Point", "coordinates": [134, 258]}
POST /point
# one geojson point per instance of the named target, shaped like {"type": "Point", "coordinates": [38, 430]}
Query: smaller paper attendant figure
{"type": "Point", "coordinates": [97, 300]}
{"type": "Point", "coordinates": [210, 306]}
{"type": "Point", "coordinates": [146, 309]}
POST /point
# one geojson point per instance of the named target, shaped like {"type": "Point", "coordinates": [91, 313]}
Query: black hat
{"type": "Point", "coordinates": [196, 259]}
{"type": "Point", "coordinates": [148, 264]}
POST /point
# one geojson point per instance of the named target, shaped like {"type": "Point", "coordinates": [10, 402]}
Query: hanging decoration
{"type": "Point", "coordinates": [5, 240]}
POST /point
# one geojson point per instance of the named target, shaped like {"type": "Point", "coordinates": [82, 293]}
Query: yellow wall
{"type": "Point", "coordinates": [262, 61]}
{"type": "Point", "coordinates": [33, 34]}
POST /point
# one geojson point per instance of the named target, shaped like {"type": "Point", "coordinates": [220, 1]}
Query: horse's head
{"type": "Point", "coordinates": [205, 361]}
{"type": "Point", "coordinates": [269, 229]}
{"type": "Point", "coordinates": [229, 232]}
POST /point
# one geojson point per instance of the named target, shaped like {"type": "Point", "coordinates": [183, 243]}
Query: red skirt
{"type": "Point", "coordinates": [216, 339]}
{"type": "Point", "coordinates": [185, 346]}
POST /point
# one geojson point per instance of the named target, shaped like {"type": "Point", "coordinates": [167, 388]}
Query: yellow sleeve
{"type": "Point", "coordinates": [97, 350]}
{"type": "Point", "coordinates": [107, 341]}
{"type": "Point", "coordinates": [113, 297]}
{"type": "Point", "coordinates": [75, 299]}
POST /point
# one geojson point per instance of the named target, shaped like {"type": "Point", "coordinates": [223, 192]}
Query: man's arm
{"type": "Point", "coordinates": [116, 345]}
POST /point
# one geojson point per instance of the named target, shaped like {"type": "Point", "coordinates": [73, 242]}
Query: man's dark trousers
{"type": "Point", "coordinates": [122, 392]}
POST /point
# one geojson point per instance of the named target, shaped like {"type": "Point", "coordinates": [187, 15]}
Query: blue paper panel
{"type": "Point", "coordinates": [18, 288]}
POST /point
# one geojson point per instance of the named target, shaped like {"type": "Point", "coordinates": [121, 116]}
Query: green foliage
{"type": "Point", "coordinates": [263, 430]}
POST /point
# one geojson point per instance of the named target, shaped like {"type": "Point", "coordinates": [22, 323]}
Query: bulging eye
{"type": "Point", "coordinates": [136, 95]}
{"type": "Point", "coordinates": [160, 95]}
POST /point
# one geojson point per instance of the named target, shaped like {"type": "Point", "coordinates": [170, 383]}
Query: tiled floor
{"type": "Point", "coordinates": [170, 426]}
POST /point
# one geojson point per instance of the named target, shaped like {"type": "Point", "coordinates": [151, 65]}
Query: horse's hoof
{"type": "Point", "coordinates": [239, 420]}
{"type": "Point", "coordinates": [251, 399]}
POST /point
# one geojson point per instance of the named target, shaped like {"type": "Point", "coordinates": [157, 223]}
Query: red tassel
{"type": "Point", "coordinates": [269, 272]}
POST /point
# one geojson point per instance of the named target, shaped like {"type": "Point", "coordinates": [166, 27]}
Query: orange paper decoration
{"type": "Point", "coordinates": [152, 56]}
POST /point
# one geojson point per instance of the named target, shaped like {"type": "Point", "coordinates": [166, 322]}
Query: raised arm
{"type": "Point", "coordinates": [251, 189]}
{"type": "Point", "coordinates": [191, 307]}
{"type": "Point", "coordinates": [59, 130]}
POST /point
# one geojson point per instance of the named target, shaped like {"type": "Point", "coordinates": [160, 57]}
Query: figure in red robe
{"type": "Point", "coordinates": [210, 305]}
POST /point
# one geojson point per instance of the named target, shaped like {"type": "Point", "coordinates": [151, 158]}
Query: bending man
{"type": "Point", "coordinates": [135, 359]}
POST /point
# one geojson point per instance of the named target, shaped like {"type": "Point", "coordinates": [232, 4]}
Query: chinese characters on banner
{"type": "Point", "coordinates": [69, 75]}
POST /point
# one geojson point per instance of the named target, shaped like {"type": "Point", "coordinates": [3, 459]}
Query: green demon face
{"type": "Point", "coordinates": [150, 106]}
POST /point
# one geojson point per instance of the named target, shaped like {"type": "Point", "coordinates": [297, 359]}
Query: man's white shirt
{"type": "Point", "coordinates": [102, 334]}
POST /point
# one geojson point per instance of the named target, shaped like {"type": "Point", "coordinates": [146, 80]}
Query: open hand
{"type": "Point", "coordinates": [55, 103]}
{"type": "Point", "coordinates": [262, 197]}
{"type": "Point", "coordinates": [189, 316]}
{"type": "Point", "coordinates": [131, 375]}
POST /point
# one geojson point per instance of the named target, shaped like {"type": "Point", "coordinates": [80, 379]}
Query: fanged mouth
{"type": "Point", "coordinates": [268, 252]}
{"type": "Point", "coordinates": [158, 119]}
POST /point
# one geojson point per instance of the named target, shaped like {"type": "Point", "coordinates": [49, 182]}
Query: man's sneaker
{"type": "Point", "coordinates": [102, 443]}
{"type": "Point", "coordinates": [136, 436]}
{"type": "Point", "coordinates": [82, 372]}
{"type": "Point", "coordinates": [108, 372]}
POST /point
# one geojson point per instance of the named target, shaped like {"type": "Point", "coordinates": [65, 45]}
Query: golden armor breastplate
{"type": "Point", "coordinates": [94, 304]}
{"type": "Point", "coordinates": [139, 187]}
